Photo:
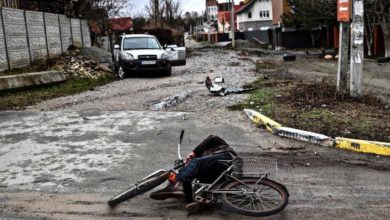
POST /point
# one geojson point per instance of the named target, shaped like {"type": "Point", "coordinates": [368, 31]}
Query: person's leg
{"type": "Point", "coordinates": [206, 169]}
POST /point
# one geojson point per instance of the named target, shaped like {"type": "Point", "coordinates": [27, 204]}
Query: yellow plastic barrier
{"type": "Point", "coordinates": [364, 146]}
{"type": "Point", "coordinates": [258, 118]}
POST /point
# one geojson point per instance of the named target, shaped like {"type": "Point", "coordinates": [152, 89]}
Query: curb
{"type": "Point", "coordinates": [31, 79]}
{"type": "Point", "coordinates": [361, 146]}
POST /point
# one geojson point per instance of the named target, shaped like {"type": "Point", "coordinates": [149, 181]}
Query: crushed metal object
{"type": "Point", "coordinates": [218, 90]}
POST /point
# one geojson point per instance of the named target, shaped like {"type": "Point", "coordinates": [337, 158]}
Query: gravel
{"type": "Point", "coordinates": [144, 92]}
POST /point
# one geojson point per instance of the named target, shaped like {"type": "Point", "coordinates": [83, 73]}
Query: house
{"type": "Point", "coordinates": [211, 10]}
{"type": "Point", "coordinates": [224, 16]}
{"type": "Point", "coordinates": [261, 14]}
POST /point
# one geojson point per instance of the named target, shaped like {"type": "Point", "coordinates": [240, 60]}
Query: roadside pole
{"type": "Point", "coordinates": [343, 16]}
{"type": "Point", "coordinates": [232, 25]}
{"type": "Point", "coordinates": [357, 49]}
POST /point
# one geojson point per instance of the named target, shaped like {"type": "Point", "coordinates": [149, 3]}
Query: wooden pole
{"type": "Point", "coordinates": [357, 49]}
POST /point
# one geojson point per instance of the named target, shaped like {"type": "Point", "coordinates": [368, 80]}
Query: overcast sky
{"type": "Point", "coordinates": [187, 5]}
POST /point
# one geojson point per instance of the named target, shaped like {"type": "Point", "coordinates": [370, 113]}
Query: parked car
{"type": "Point", "coordinates": [176, 55]}
{"type": "Point", "coordinates": [143, 53]}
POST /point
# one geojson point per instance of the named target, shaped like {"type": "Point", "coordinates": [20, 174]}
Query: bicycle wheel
{"type": "Point", "coordinates": [138, 189]}
{"type": "Point", "coordinates": [255, 199]}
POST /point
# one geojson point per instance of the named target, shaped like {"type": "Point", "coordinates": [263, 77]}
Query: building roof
{"type": "Point", "coordinates": [121, 24]}
{"type": "Point", "coordinates": [246, 7]}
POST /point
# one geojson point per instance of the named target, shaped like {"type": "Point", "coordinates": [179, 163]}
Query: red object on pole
{"type": "Point", "coordinates": [344, 10]}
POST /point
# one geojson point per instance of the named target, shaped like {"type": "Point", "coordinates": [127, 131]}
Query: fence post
{"type": "Point", "coordinates": [47, 42]}
{"type": "Point", "coordinates": [59, 26]}
{"type": "Point", "coordinates": [81, 33]}
{"type": "Point", "coordinates": [5, 39]}
{"type": "Point", "coordinates": [28, 37]}
{"type": "Point", "coordinates": [71, 30]}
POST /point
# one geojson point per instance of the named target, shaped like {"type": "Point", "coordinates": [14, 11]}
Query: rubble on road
{"type": "Point", "coordinates": [74, 64]}
{"type": "Point", "coordinates": [218, 90]}
{"type": "Point", "coordinates": [171, 101]}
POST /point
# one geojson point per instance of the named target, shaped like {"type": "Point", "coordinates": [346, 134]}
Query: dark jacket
{"type": "Point", "coordinates": [212, 145]}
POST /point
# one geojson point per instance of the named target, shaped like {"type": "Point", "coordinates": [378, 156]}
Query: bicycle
{"type": "Point", "coordinates": [244, 187]}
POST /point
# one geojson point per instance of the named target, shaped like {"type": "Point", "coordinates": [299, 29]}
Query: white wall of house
{"type": "Point", "coordinates": [260, 11]}
{"type": "Point", "coordinates": [212, 13]}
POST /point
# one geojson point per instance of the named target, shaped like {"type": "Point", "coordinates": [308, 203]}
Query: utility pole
{"type": "Point", "coordinates": [232, 25]}
{"type": "Point", "coordinates": [343, 16]}
{"type": "Point", "coordinates": [357, 49]}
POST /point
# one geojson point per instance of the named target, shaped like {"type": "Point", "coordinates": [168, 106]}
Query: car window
{"type": "Point", "coordinates": [140, 43]}
{"type": "Point", "coordinates": [119, 41]}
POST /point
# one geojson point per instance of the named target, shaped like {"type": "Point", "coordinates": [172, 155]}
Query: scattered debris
{"type": "Point", "coordinates": [289, 57]}
{"type": "Point", "coordinates": [171, 101]}
{"type": "Point", "coordinates": [218, 90]}
{"type": "Point", "coordinates": [75, 64]}
{"type": "Point", "coordinates": [219, 80]}
{"type": "Point", "coordinates": [304, 136]}
{"type": "Point", "coordinates": [383, 59]}
{"type": "Point", "coordinates": [328, 57]}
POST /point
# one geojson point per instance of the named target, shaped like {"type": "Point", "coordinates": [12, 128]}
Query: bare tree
{"type": "Point", "coordinates": [154, 11]}
{"type": "Point", "coordinates": [377, 13]}
{"type": "Point", "coordinates": [164, 12]}
{"type": "Point", "coordinates": [383, 13]}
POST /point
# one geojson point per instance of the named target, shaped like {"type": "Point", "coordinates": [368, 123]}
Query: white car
{"type": "Point", "coordinates": [140, 53]}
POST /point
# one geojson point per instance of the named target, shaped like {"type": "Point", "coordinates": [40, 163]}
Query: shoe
{"type": "Point", "coordinates": [193, 208]}
{"type": "Point", "coordinates": [173, 190]}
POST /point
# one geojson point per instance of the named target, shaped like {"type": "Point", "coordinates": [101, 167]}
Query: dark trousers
{"type": "Point", "coordinates": [206, 169]}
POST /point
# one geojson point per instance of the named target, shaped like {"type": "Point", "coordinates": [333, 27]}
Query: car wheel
{"type": "Point", "coordinates": [121, 72]}
{"type": "Point", "coordinates": [168, 72]}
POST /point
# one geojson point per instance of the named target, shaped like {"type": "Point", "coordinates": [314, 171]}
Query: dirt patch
{"type": "Point", "coordinates": [314, 106]}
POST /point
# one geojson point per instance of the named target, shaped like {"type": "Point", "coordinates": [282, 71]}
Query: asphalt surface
{"type": "Point", "coordinates": [63, 159]}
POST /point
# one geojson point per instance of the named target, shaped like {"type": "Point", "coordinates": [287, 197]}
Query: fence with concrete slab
{"type": "Point", "coordinates": [26, 36]}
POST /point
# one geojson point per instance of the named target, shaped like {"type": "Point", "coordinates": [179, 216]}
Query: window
{"type": "Point", "coordinates": [140, 43]}
{"type": "Point", "coordinates": [264, 14]}
{"type": "Point", "coordinates": [249, 14]}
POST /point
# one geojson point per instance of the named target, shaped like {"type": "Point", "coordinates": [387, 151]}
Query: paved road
{"type": "Point", "coordinates": [67, 164]}
{"type": "Point", "coordinates": [63, 159]}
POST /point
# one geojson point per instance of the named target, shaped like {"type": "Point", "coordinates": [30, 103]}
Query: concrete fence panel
{"type": "Point", "coordinates": [53, 34]}
{"type": "Point", "coordinates": [26, 36]}
{"type": "Point", "coordinates": [85, 33]}
{"type": "Point", "coordinates": [76, 32]}
{"type": "Point", "coordinates": [36, 35]}
{"type": "Point", "coordinates": [16, 37]}
{"type": "Point", "coordinates": [3, 52]}
{"type": "Point", "coordinates": [66, 32]}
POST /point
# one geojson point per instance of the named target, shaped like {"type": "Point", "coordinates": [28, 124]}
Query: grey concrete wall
{"type": "Point", "coordinates": [3, 54]}
{"type": "Point", "coordinates": [28, 36]}
{"type": "Point", "coordinates": [255, 25]}
{"type": "Point", "coordinates": [85, 33]}
{"type": "Point", "coordinates": [76, 31]}
{"type": "Point", "coordinates": [53, 34]}
{"type": "Point", "coordinates": [36, 35]}
{"type": "Point", "coordinates": [16, 37]}
{"type": "Point", "coordinates": [66, 33]}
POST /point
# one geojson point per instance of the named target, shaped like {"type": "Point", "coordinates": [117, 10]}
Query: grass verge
{"type": "Point", "coordinates": [18, 99]}
{"type": "Point", "coordinates": [315, 107]}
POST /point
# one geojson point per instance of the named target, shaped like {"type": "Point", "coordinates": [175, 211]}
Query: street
{"type": "Point", "coordinates": [64, 158]}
